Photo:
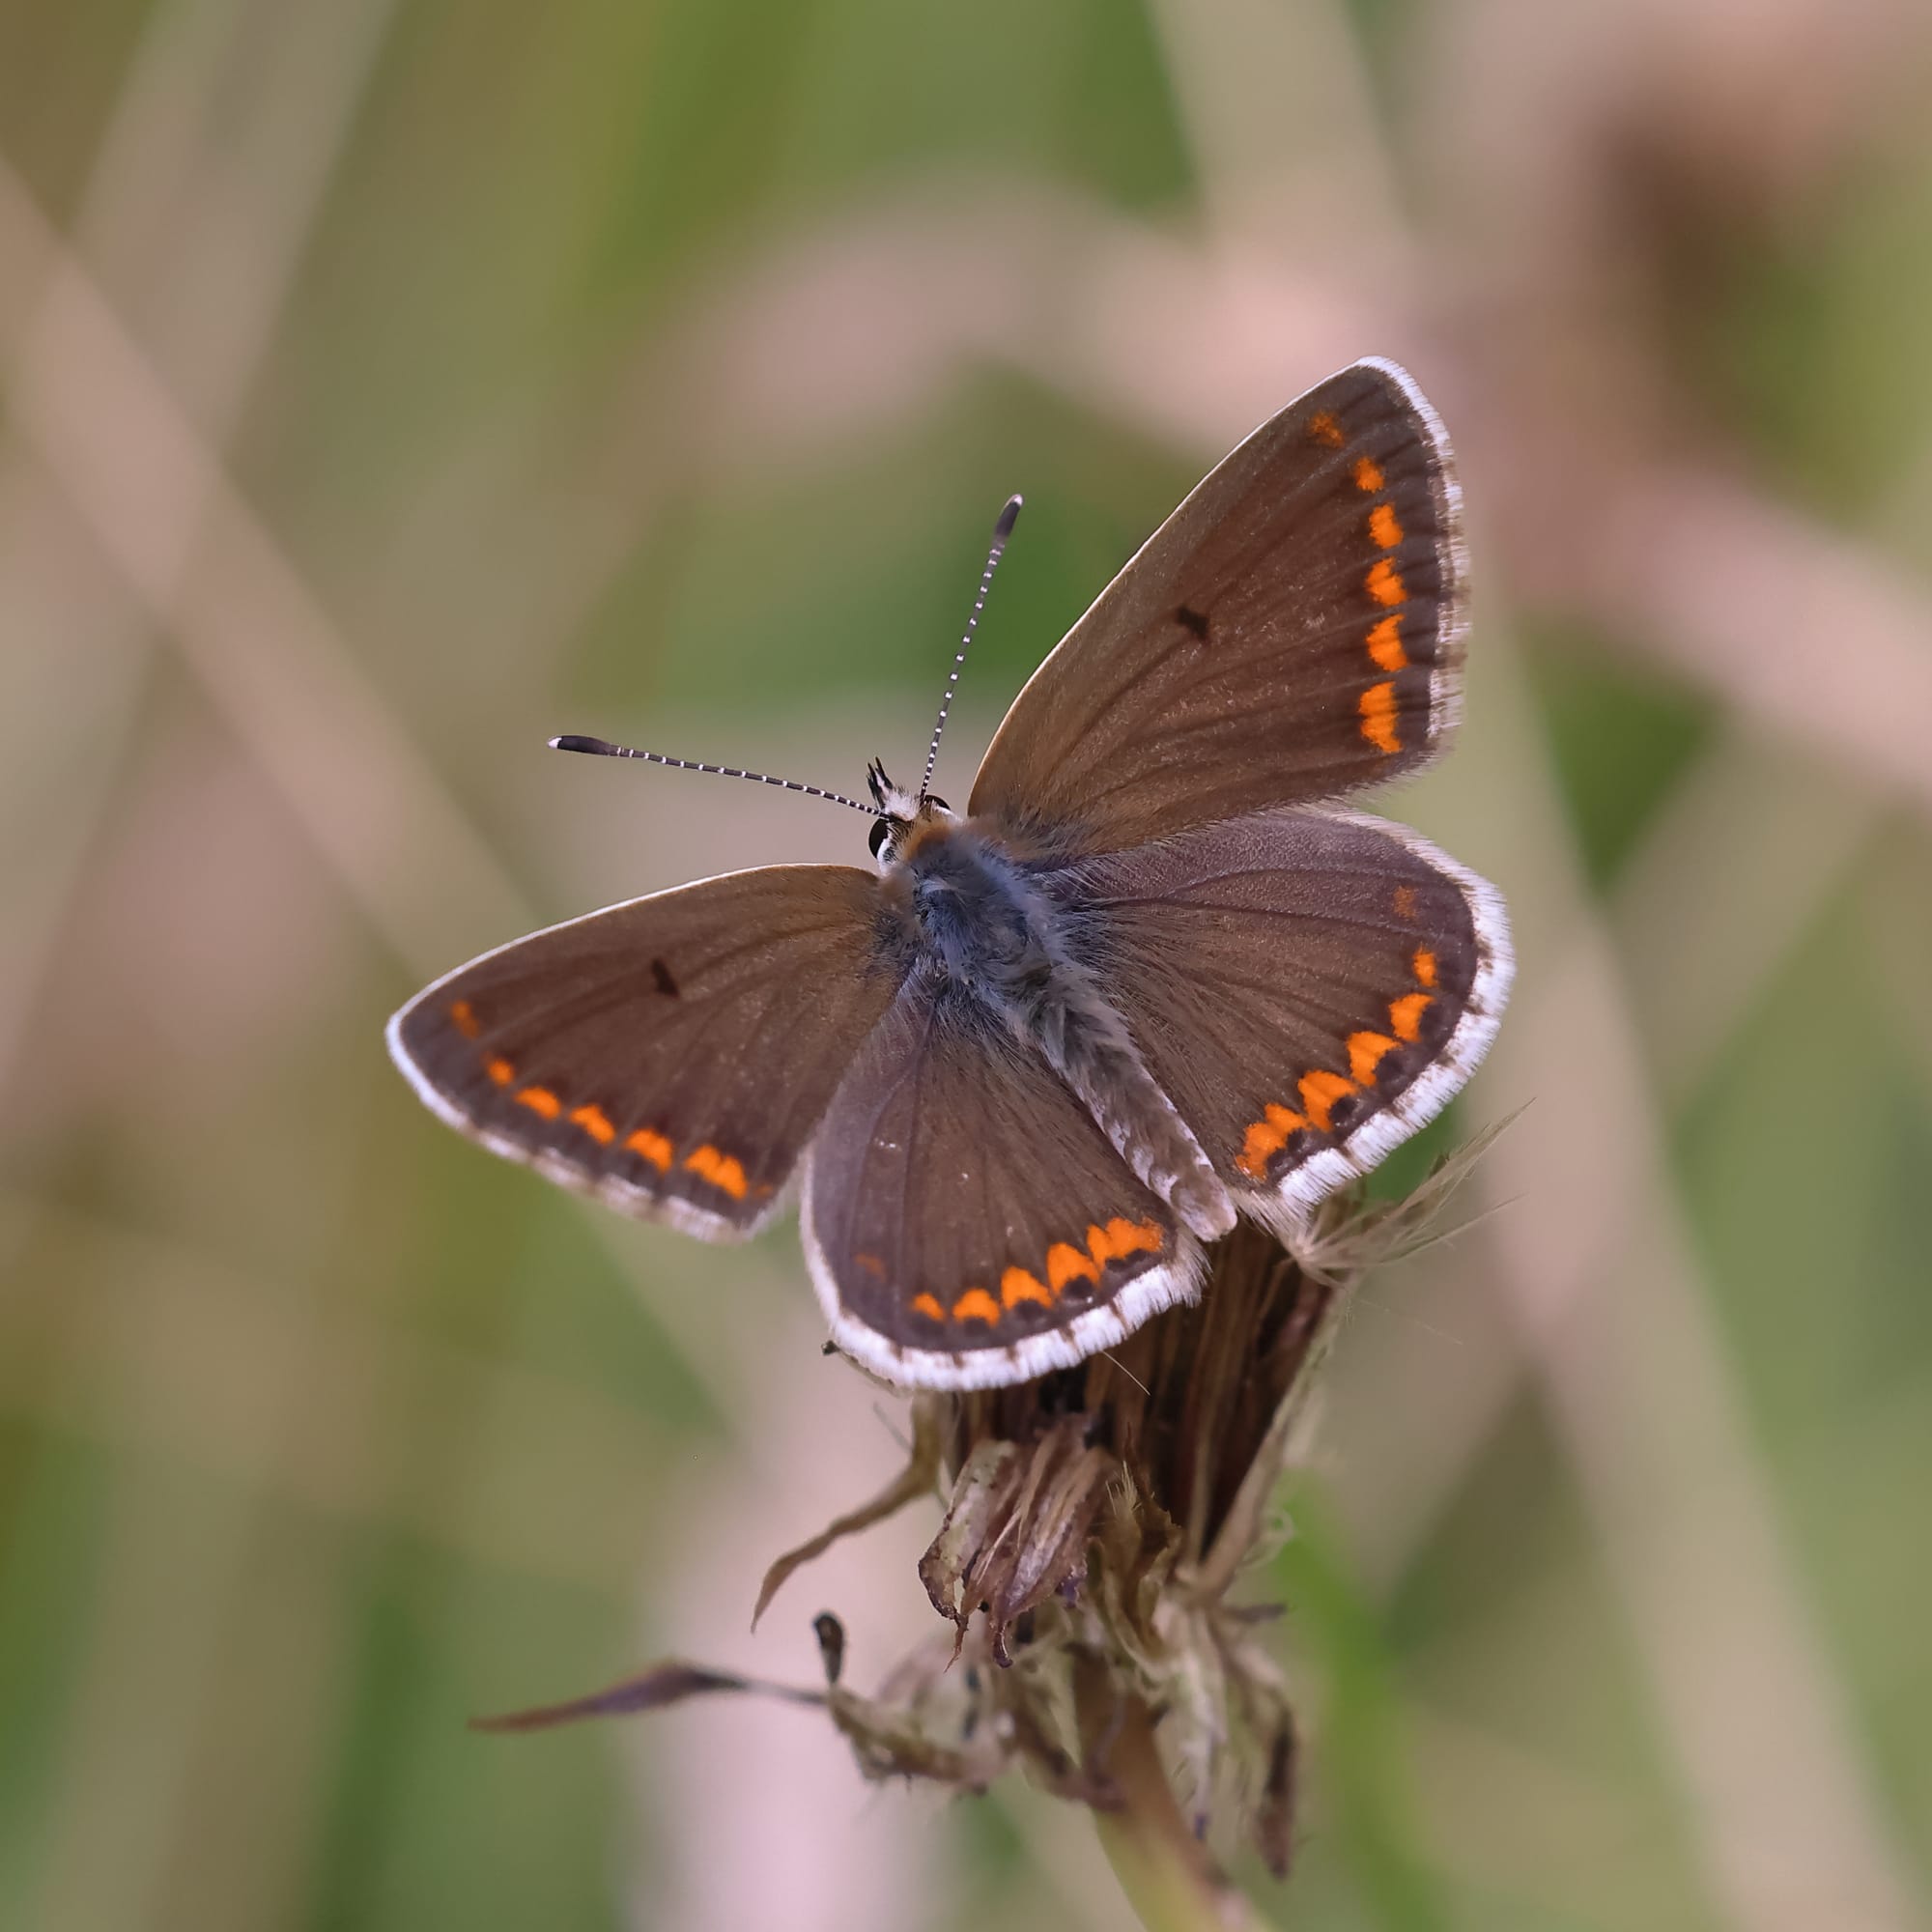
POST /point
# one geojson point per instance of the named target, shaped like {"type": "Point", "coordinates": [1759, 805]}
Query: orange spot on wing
{"type": "Point", "coordinates": [464, 1015]}
{"type": "Point", "coordinates": [1325, 429]}
{"type": "Point", "coordinates": [1405, 902]}
{"type": "Point", "coordinates": [540, 1100]}
{"type": "Point", "coordinates": [976, 1305]}
{"type": "Point", "coordinates": [499, 1071]}
{"type": "Point", "coordinates": [651, 1146]}
{"type": "Point", "coordinates": [1406, 1014]}
{"type": "Point", "coordinates": [1384, 527]}
{"type": "Point", "coordinates": [1377, 705]}
{"type": "Point", "coordinates": [1265, 1138]}
{"type": "Point", "coordinates": [722, 1169]}
{"type": "Point", "coordinates": [1120, 1237]}
{"type": "Point", "coordinates": [1424, 965]}
{"type": "Point", "coordinates": [873, 1265]}
{"type": "Point", "coordinates": [593, 1121]}
{"type": "Point", "coordinates": [1064, 1264]}
{"type": "Point", "coordinates": [1368, 473]}
{"type": "Point", "coordinates": [1385, 644]}
{"type": "Point", "coordinates": [1017, 1286]}
{"type": "Point", "coordinates": [1134, 1237]}
{"type": "Point", "coordinates": [1365, 1055]}
{"type": "Point", "coordinates": [1320, 1089]}
{"type": "Point", "coordinates": [1384, 583]}
{"type": "Point", "coordinates": [929, 1306]}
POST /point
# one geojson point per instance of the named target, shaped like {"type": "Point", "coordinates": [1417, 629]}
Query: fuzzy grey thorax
{"type": "Point", "coordinates": [994, 931]}
{"type": "Point", "coordinates": [997, 935]}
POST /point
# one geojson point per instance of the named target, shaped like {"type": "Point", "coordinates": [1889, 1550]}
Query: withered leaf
{"type": "Point", "coordinates": [917, 1479]}
{"type": "Point", "coordinates": [1274, 1815]}
{"type": "Point", "coordinates": [664, 1683]}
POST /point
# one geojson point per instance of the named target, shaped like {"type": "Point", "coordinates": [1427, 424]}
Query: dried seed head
{"type": "Point", "coordinates": [1097, 1521]}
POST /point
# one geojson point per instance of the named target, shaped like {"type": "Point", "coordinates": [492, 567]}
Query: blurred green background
{"type": "Point", "coordinates": [388, 385]}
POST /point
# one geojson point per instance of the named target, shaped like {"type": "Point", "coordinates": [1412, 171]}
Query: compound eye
{"type": "Point", "coordinates": [933, 798]}
{"type": "Point", "coordinates": [882, 829]}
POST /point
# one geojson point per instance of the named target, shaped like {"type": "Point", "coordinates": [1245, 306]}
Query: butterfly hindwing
{"type": "Point", "coordinates": [966, 1223]}
{"type": "Point", "coordinates": [1294, 631]}
{"type": "Point", "coordinates": [1309, 989]}
{"type": "Point", "coordinates": [671, 1055]}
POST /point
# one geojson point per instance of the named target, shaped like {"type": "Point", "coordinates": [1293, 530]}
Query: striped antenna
{"type": "Point", "coordinates": [602, 748]}
{"type": "Point", "coordinates": [1001, 531]}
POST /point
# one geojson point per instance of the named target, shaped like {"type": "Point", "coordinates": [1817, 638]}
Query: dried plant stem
{"type": "Point", "coordinates": [1168, 1875]}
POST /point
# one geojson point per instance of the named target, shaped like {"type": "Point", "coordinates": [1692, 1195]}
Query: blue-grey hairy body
{"type": "Point", "coordinates": [977, 920]}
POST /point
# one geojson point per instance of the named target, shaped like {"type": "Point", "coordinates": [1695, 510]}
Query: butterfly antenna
{"type": "Point", "coordinates": [1001, 531]}
{"type": "Point", "coordinates": [602, 748]}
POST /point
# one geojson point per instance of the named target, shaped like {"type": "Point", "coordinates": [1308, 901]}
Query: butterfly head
{"type": "Point", "coordinates": [904, 818]}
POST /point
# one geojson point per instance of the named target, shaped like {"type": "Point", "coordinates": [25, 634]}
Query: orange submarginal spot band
{"type": "Point", "coordinates": [1384, 583]}
{"type": "Point", "coordinates": [929, 1306]}
{"type": "Point", "coordinates": [647, 1144]}
{"type": "Point", "coordinates": [977, 1305]}
{"type": "Point", "coordinates": [1365, 1054]}
{"type": "Point", "coordinates": [499, 1071]}
{"type": "Point", "coordinates": [1386, 648]}
{"type": "Point", "coordinates": [1384, 527]}
{"type": "Point", "coordinates": [1016, 1285]}
{"type": "Point", "coordinates": [1377, 708]}
{"type": "Point", "coordinates": [540, 1100]}
{"type": "Point", "coordinates": [722, 1169]}
{"type": "Point", "coordinates": [1424, 965]}
{"type": "Point", "coordinates": [595, 1123]}
{"type": "Point", "coordinates": [1066, 1263]}
{"type": "Point", "coordinates": [462, 1016]}
{"type": "Point", "coordinates": [1368, 473]}
{"type": "Point", "coordinates": [1406, 1014]}
{"type": "Point", "coordinates": [1320, 1089]}
{"type": "Point", "coordinates": [1325, 430]}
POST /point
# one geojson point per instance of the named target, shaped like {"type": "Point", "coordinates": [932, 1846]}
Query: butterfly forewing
{"type": "Point", "coordinates": [966, 1222]}
{"type": "Point", "coordinates": [671, 1055]}
{"type": "Point", "coordinates": [1309, 989]}
{"type": "Point", "coordinates": [1294, 631]}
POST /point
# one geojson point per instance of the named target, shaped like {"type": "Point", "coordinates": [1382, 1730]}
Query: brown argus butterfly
{"type": "Point", "coordinates": [1151, 979]}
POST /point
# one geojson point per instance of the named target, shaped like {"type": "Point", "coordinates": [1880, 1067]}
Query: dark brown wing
{"type": "Point", "coordinates": [671, 1055]}
{"type": "Point", "coordinates": [1309, 989]}
{"type": "Point", "coordinates": [1294, 631]}
{"type": "Point", "coordinates": [966, 1223]}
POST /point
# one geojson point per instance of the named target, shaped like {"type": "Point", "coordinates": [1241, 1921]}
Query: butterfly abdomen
{"type": "Point", "coordinates": [1087, 1043]}
{"type": "Point", "coordinates": [998, 938]}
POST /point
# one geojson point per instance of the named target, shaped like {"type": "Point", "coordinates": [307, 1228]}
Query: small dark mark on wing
{"type": "Point", "coordinates": [665, 984]}
{"type": "Point", "coordinates": [1191, 619]}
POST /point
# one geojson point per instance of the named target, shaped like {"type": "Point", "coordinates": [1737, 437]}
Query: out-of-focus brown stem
{"type": "Point", "coordinates": [1168, 1874]}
